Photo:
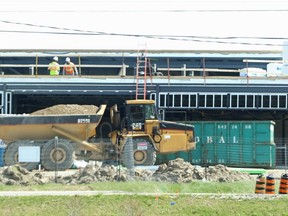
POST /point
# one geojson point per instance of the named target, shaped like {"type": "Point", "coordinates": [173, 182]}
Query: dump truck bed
{"type": "Point", "coordinates": [34, 127]}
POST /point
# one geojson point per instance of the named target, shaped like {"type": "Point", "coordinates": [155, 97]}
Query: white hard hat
{"type": "Point", "coordinates": [67, 59]}
{"type": "Point", "coordinates": [55, 58]}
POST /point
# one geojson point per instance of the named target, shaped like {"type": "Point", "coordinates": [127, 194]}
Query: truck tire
{"type": "Point", "coordinates": [128, 154]}
{"type": "Point", "coordinates": [57, 157]}
{"type": "Point", "coordinates": [10, 157]}
{"type": "Point", "coordinates": [143, 152]}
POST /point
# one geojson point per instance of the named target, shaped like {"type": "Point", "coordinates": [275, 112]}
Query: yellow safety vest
{"type": "Point", "coordinates": [54, 68]}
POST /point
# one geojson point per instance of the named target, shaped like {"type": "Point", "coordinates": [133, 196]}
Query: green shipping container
{"type": "Point", "coordinates": [231, 143]}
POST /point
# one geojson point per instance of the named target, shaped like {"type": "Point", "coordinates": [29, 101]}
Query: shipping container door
{"type": "Point", "coordinates": [264, 132]}
{"type": "Point", "coordinates": [248, 143]}
{"type": "Point", "coordinates": [220, 143]}
{"type": "Point", "coordinates": [265, 146]}
{"type": "Point", "coordinates": [234, 146]}
{"type": "Point", "coordinates": [197, 153]}
{"type": "Point", "coordinates": [265, 155]}
{"type": "Point", "coordinates": [208, 140]}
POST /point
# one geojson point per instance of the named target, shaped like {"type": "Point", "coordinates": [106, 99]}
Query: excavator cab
{"type": "Point", "coordinates": [138, 112]}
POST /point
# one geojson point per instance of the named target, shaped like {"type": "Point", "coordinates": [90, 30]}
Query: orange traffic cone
{"type": "Point", "coordinates": [270, 185]}
{"type": "Point", "coordinates": [260, 185]}
{"type": "Point", "coordinates": [283, 187]}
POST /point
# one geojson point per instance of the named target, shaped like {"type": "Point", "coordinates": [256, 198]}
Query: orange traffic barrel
{"type": "Point", "coordinates": [283, 186]}
{"type": "Point", "coordinates": [270, 185]}
{"type": "Point", "coordinates": [260, 185]}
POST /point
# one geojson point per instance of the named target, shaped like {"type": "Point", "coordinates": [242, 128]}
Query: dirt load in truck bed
{"type": "Point", "coordinates": [67, 109]}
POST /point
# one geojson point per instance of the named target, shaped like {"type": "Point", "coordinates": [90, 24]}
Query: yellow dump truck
{"type": "Point", "coordinates": [61, 139]}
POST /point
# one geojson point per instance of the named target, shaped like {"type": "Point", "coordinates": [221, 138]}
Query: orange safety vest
{"type": "Point", "coordinates": [69, 69]}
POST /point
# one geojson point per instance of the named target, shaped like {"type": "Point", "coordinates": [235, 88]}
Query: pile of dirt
{"type": "Point", "coordinates": [67, 109]}
{"type": "Point", "coordinates": [16, 175]}
{"type": "Point", "coordinates": [183, 172]}
{"type": "Point", "coordinates": [177, 171]}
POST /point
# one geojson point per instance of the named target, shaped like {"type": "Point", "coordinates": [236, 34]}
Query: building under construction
{"type": "Point", "coordinates": [187, 86]}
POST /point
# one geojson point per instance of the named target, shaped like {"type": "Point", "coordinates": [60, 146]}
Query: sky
{"type": "Point", "coordinates": [156, 24]}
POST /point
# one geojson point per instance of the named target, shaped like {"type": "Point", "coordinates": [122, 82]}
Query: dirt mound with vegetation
{"type": "Point", "coordinates": [16, 175]}
{"type": "Point", "coordinates": [183, 172]}
{"type": "Point", "coordinates": [177, 171]}
{"type": "Point", "coordinates": [67, 109]}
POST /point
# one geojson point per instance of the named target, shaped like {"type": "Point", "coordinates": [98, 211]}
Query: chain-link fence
{"type": "Point", "coordinates": [62, 161]}
{"type": "Point", "coordinates": [60, 154]}
{"type": "Point", "coordinates": [281, 157]}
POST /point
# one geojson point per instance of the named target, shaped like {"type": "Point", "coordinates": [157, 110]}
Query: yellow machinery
{"type": "Point", "coordinates": [136, 133]}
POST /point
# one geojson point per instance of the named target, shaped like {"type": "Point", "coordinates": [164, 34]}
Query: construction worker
{"type": "Point", "coordinates": [54, 67]}
{"type": "Point", "coordinates": [69, 68]}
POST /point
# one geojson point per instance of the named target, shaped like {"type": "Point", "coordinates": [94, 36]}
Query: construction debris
{"type": "Point", "coordinates": [177, 171]}
{"type": "Point", "coordinates": [67, 109]}
{"type": "Point", "coordinates": [183, 172]}
{"type": "Point", "coordinates": [16, 175]}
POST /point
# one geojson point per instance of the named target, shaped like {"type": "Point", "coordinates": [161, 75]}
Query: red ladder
{"type": "Point", "coordinates": [141, 73]}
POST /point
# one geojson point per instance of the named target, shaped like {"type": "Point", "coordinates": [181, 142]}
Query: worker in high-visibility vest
{"type": "Point", "coordinates": [54, 67]}
{"type": "Point", "coordinates": [69, 68]}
